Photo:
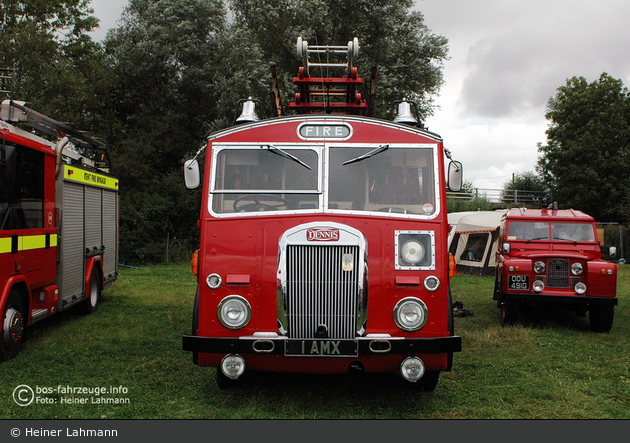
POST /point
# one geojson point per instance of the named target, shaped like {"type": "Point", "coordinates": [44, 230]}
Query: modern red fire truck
{"type": "Point", "coordinates": [58, 222]}
{"type": "Point", "coordinates": [323, 237]}
{"type": "Point", "coordinates": [553, 257]}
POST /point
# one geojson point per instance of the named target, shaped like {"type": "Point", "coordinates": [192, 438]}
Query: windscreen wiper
{"type": "Point", "coordinates": [367, 155]}
{"type": "Point", "coordinates": [285, 154]}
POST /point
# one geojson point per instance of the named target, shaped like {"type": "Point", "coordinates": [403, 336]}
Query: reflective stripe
{"type": "Point", "coordinates": [5, 245]}
{"type": "Point", "coordinates": [27, 242]}
{"type": "Point", "coordinates": [90, 178]}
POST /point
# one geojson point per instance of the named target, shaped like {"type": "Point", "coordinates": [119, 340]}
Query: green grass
{"type": "Point", "coordinates": [552, 366]}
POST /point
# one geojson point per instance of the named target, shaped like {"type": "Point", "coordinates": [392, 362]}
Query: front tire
{"type": "Point", "coordinates": [509, 313]}
{"type": "Point", "coordinates": [14, 321]}
{"type": "Point", "coordinates": [225, 382]}
{"type": "Point", "coordinates": [429, 380]}
{"type": "Point", "coordinates": [195, 326]}
{"type": "Point", "coordinates": [601, 317]}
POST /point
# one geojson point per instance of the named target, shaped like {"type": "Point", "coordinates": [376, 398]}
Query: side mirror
{"type": "Point", "coordinates": [191, 173]}
{"type": "Point", "coordinates": [612, 251]}
{"type": "Point", "coordinates": [455, 176]}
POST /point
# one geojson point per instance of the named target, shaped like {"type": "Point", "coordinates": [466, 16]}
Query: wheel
{"type": "Point", "coordinates": [601, 317]}
{"type": "Point", "coordinates": [429, 380]}
{"type": "Point", "coordinates": [256, 205]}
{"type": "Point", "coordinates": [497, 291]}
{"type": "Point", "coordinates": [13, 326]}
{"type": "Point", "coordinates": [225, 382]}
{"type": "Point", "coordinates": [509, 313]}
{"type": "Point", "coordinates": [451, 326]}
{"type": "Point", "coordinates": [94, 293]}
{"type": "Point", "coordinates": [195, 324]}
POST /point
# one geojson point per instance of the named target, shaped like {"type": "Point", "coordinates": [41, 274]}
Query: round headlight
{"type": "Point", "coordinates": [412, 252]}
{"type": "Point", "coordinates": [576, 268]}
{"type": "Point", "coordinates": [234, 312]}
{"type": "Point", "coordinates": [539, 267]}
{"type": "Point", "coordinates": [538, 286]}
{"type": "Point", "coordinates": [431, 283]}
{"type": "Point", "coordinates": [233, 366]}
{"type": "Point", "coordinates": [412, 369]}
{"type": "Point", "coordinates": [214, 281]}
{"type": "Point", "coordinates": [410, 314]}
{"type": "Point", "coordinates": [580, 288]}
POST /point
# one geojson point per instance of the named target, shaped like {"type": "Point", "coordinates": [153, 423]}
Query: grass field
{"type": "Point", "coordinates": [551, 367]}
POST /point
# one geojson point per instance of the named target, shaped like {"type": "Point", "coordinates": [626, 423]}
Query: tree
{"type": "Point", "coordinates": [586, 159]}
{"type": "Point", "coordinates": [165, 59]}
{"type": "Point", "coordinates": [391, 37]}
{"type": "Point", "coordinates": [61, 72]}
{"type": "Point", "coordinates": [525, 187]}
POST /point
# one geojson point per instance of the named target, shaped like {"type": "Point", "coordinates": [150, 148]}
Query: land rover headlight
{"type": "Point", "coordinates": [577, 269]}
{"type": "Point", "coordinates": [538, 286]}
{"type": "Point", "coordinates": [234, 312]}
{"type": "Point", "coordinates": [410, 314]}
{"type": "Point", "coordinates": [580, 288]}
{"type": "Point", "coordinates": [539, 267]}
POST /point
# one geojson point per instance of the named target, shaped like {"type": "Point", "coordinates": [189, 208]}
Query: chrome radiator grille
{"type": "Point", "coordinates": [322, 288]}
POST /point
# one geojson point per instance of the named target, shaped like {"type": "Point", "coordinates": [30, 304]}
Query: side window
{"type": "Point", "coordinates": [22, 194]}
{"type": "Point", "coordinates": [475, 247]}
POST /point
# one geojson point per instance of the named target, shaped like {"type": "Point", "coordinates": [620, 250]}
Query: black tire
{"type": "Point", "coordinates": [497, 291]}
{"type": "Point", "coordinates": [451, 328]}
{"type": "Point", "coordinates": [195, 325]}
{"type": "Point", "coordinates": [93, 298]}
{"type": "Point", "coordinates": [429, 380]}
{"type": "Point", "coordinates": [14, 321]}
{"type": "Point", "coordinates": [601, 318]}
{"type": "Point", "coordinates": [225, 382]}
{"type": "Point", "coordinates": [509, 313]}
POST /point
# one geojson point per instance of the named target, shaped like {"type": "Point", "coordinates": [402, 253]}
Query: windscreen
{"type": "Point", "coordinates": [265, 178]}
{"type": "Point", "coordinates": [382, 179]}
{"type": "Point", "coordinates": [559, 231]}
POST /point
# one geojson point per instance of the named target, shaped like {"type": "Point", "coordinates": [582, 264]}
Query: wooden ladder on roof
{"type": "Point", "coordinates": [328, 94]}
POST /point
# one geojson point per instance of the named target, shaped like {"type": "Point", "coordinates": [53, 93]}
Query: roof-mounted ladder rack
{"type": "Point", "coordinates": [328, 94]}
{"type": "Point", "coordinates": [15, 112]}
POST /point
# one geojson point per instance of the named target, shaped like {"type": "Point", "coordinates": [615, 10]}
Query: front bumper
{"type": "Point", "coordinates": [579, 300]}
{"type": "Point", "coordinates": [373, 345]}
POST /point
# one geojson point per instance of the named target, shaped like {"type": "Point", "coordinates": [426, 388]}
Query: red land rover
{"type": "Point", "coordinates": [550, 257]}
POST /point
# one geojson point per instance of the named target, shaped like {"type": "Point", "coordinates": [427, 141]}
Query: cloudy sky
{"type": "Point", "coordinates": [507, 58]}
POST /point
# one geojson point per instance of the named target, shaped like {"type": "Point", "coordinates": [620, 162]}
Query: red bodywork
{"type": "Point", "coordinates": [550, 256]}
{"type": "Point", "coordinates": [28, 257]}
{"type": "Point", "coordinates": [38, 277]}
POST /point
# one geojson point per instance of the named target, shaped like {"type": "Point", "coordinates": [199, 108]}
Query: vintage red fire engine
{"type": "Point", "coordinates": [553, 257]}
{"type": "Point", "coordinates": [323, 238]}
{"type": "Point", "coordinates": [58, 223]}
